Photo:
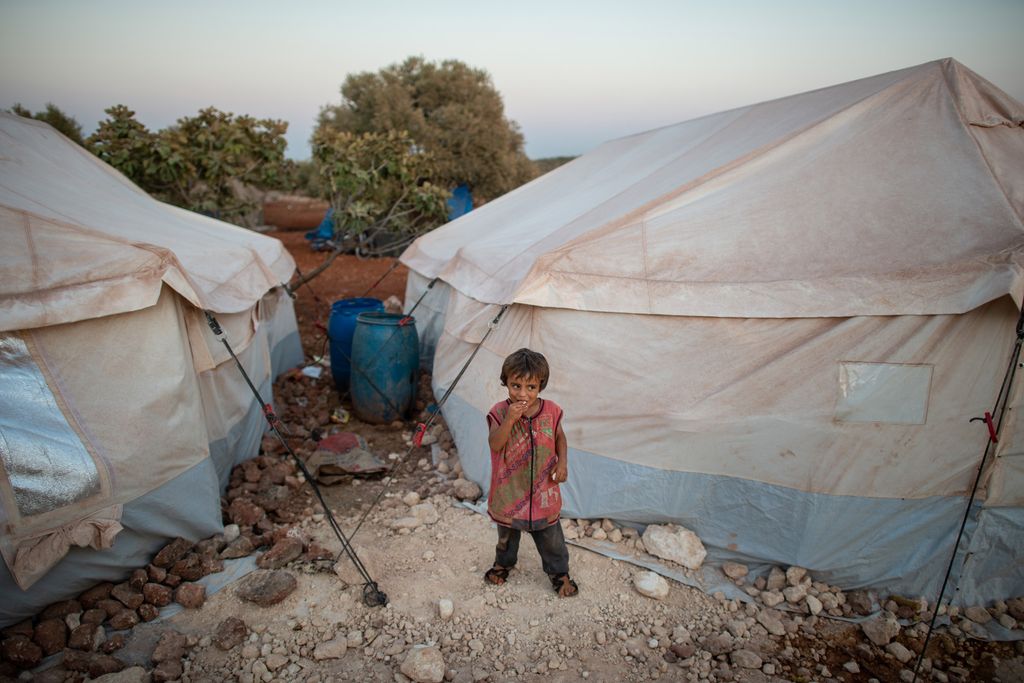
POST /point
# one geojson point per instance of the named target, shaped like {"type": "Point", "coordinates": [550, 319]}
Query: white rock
{"type": "Point", "coordinates": [425, 512]}
{"type": "Point", "coordinates": [674, 543]}
{"type": "Point", "coordinates": [852, 666]}
{"type": "Point", "coordinates": [900, 652]}
{"type": "Point", "coordinates": [231, 532]}
{"type": "Point", "coordinates": [332, 649]}
{"type": "Point", "coordinates": [424, 664]}
{"type": "Point", "coordinates": [881, 629]}
{"type": "Point", "coordinates": [794, 575]}
{"type": "Point", "coordinates": [651, 584]}
{"type": "Point", "coordinates": [445, 608]}
{"type": "Point", "coordinates": [599, 534]}
{"type": "Point", "coordinates": [814, 605]}
{"type": "Point", "coordinates": [411, 498]}
{"type": "Point", "coordinates": [464, 489]}
{"type": "Point", "coordinates": [746, 659]}
{"type": "Point", "coordinates": [771, 598]}
{"type": "Point", "coordinates": [795, 594]}
{"type": "Point", "coordinates": [615, 536]}
{"type": "Point", "coordinates": [769, 618]}
{"type": "Point", "coordinates": [734, 570]}
{"type": "Point", "coordinates": [571, 533]}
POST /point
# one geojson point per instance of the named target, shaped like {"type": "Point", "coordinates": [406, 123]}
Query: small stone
{"type": "Point", "coordinates": [275, 661]}
{"type": "Point", "coordinates": [100, 591]}
{"type": "Point", "coordinates": [852, 667]}
{"type": "Point", "coordinates": [772, 598]}
{"type": "Point", "coordinates": [813, 605]}
{"type": "Point", "coordinates": [615, 536]}
{"type": "Point", "coordinates": [772, 622]}
{"type": "Point", "coordinates": [411, 498]}
{"type": "Point", "coordinates": [735, 570]}
{"type": "Point", "coordinates": [148, 612]}
{"type": "Point", "coordinates": [229, 633]}
{"type": "Point", "coordinates": [231, 532]}
{"type": "Point", "coordinates": [424, 664]}
{"type": "Point", "coordinates": [599, 534]}
{"type": "Point", "coordinates": [899, 651]}
{"type": "Point", "coordinates": [445, 609]}
{"type": "Point", "coordinates": [59, 610]}
{"type": "Point", "coordinates": [87, 637]}
{"type": "Point", "coordinates": [92, 663]}
{"type": "Point", "coordinates": [860, 602]}
{"type": "Point", "coordinates": [267, 587]}
{"type": "Point", "coordinates": [51, 635]}
{"type": "Point", "coordinates": [125, 619]}
{"type": "Point", "coordinates": [795, 594]}
{"type": "Point", "coordinates": [651, 585]}
{"type": "Point", "coordinates": [240, 547]}
{"type": "Point", "coordinates": [170, 647]}
{"type": "Point", "coordinates": [21, 652]}
{"type": "Point", "coordinates": [172, 552]}
{"type": "Point", "coordinates": [283, 552]}
{"type": "Point", "coordinates": [776, 580]}
{"type": "Point", "coordinates": [795, 575]}
{"type": "Point", "coordinates": [746, 659]}
{"type": "Point", "coordinates": [169, 670]}
{"type": "Point", "coordinates": [190, 595]}
{"type": "Point", "coordinates": [157, 594]}
{"type": "Point", "coordinates": [331, 649]}
{"type": "Point", "coordinates": [881, 629]}
{"type": "Point", "coordinates": [466, 490]}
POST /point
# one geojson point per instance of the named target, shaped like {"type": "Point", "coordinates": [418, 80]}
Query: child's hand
{"type": "Point", "coordinates": [516, 409]}
{"type": "Point", "coordinates": [561, 472]}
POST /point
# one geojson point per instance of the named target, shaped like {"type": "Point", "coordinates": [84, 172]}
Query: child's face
{"type": "Point", "coordinates": [523, 389]}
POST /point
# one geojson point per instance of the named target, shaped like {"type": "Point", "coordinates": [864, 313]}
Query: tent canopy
{"type": "Point", "coordinates": [902, 193]}
{"type": "Point", "coordinates": [71, 251]}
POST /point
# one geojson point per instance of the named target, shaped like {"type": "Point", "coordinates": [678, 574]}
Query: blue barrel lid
{"type": "Point", "coordinates": [382, 318]}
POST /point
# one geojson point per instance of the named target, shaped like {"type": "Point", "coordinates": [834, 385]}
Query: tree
{"type": "Point", "coordinates": [378, 185]}
{"type": "Point", "coordinates": [450, 110]}
{"type": "Point", "coordinates": [52, 115]}
{"type": "Point", "coordinates": [203, 163]}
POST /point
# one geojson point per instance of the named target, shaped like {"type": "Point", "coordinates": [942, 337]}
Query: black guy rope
{"type": "Point", "coordinates": [372, 595]}
{"type": "Point", "coordinates": [422, 428]}
{"type": "Point", "coordinates": [1002, 400]}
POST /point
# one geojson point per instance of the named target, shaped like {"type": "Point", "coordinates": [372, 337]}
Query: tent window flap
{"type": "Point", "coordinates": [883, 392]}
{"type": "Point", "coordinates": [46, 464]}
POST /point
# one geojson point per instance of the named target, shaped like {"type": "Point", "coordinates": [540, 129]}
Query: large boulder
{"type": "Point", "coordinates": [676, 544]}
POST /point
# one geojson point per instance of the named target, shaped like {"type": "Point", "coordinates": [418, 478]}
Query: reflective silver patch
{"type": "Point", "coordinates": [46, 462]}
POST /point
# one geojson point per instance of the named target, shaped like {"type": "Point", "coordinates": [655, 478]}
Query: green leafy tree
{"type": "Point", "coordinates": [378, 185]}
{"type": "Point", "coordinates": [204, 163]}
{"type": "Point", "coordinates": [52, 115]}
{"type": "Point", "coordinates": [450, 110]}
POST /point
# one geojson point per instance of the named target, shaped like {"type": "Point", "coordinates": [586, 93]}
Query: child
{"type": "Point", "coordinates": [528, 462]}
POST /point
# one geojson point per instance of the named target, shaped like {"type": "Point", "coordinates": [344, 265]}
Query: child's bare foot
{"type": "Point", "coordinates": [497, 574]}
{"type": "Point", "coordinates": [564, 586]}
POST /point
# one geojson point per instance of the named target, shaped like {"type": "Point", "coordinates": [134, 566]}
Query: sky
{"type": "Point", "coordinates": [572, 73]}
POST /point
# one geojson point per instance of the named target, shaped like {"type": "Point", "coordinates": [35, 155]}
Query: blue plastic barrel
{"type": "Point", "coordinates": [340, 327]}
{"type": "Point", "coordinates": [385, 366]}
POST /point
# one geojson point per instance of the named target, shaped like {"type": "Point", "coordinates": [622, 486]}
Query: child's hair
{"type": "Point", "coordinates": [526, 363]}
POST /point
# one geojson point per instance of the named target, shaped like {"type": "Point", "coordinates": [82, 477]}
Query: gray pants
{"type": "Point", "coordinates": [550, 542]}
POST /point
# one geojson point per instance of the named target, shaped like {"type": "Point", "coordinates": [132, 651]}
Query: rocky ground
{"type": "Point", "coordinates": [301, 614]}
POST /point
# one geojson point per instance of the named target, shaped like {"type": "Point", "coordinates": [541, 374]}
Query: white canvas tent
{"type": "Point", "coordinates": [121, 414]}
{"type": "Point", "coordinates": [771, 325]}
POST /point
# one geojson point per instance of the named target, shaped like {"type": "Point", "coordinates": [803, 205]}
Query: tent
{"type": "Point", "coordinates": [771, 325]}
{"type": "Point", "coordinates": [121, 414]}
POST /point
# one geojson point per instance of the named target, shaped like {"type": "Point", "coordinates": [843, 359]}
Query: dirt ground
{"type": "Point", "coordinates": [521, 631]}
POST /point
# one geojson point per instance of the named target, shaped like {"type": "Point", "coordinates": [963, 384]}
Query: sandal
{"type": "Point", "coordinates": [497, 574]}
{"type": "Point", "coordinates": [564, 586]}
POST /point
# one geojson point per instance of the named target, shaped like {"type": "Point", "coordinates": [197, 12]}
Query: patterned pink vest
{"type": "Point", "coordinates": [522, 495]}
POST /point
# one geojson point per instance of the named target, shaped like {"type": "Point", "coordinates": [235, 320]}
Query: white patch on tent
{"type": "Point", "coordinates": [883, 392]}
{"type": "Point", "coordinates": [46, 464]}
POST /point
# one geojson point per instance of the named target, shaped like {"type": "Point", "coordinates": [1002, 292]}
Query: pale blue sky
{"type": "Point", "coordinates": [572, 73]}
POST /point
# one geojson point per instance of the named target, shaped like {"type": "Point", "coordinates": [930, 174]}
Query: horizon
{"type": "Point", "coordinates": [571, 76]}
